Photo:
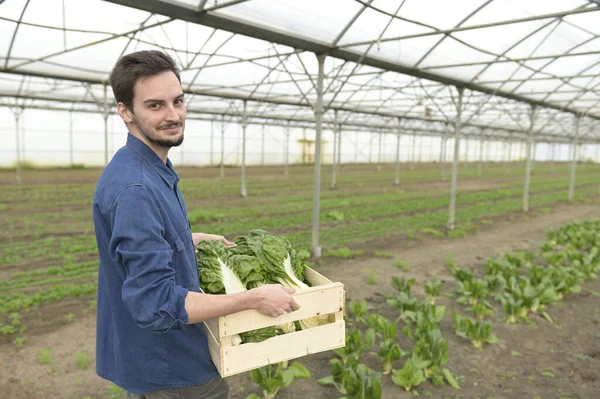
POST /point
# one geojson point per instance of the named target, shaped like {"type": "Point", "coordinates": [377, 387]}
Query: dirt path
{"type": "Point", "coordinates": [493, 372]}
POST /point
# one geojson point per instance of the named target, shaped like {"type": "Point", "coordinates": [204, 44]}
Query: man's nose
{"type": "Point", "coordinates": [172, 114]}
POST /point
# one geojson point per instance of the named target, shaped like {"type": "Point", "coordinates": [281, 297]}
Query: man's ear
{"type": "Point", "coordinates": [124, 113]}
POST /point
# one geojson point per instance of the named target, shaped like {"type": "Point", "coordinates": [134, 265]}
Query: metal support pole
{"type": "Point", "coordinates": [444, 151]}
{"type": "Point", "coordinates": [212, 139]}
{"type": "Point", "coordinates": [552, 149]}
{"type": "Point", "coordinates": [287, 148]}
{"type": "Point", "coordinates": [339, 150]}
{"type": "Point", "coordinates": [316, 248]}
{"type": "Point", "coordinates": [530, 144]}
{"type": "Point", "coordinates": [534, 155]}
{"type": "Point", "coordinates": [222, 146]}
{"type": "Point", "coordinates": [480, 164]}
{"type": "Point", "coordinates": [466, 152]}
{"type": "Point", "coordinates": [333, 158]}
{"type": "Point", "coordinates": [509, 156]}
{"type": "Point", "coordinates": [443, 145]}
{"type": "Point", "coordinates": [244, 126]}
{"type": "Point", "coordinates": [379, 155]}
{"type": "Point", "coordinates": [505, 156]}
{"type": "Point", "coordinates": [356, 147]}
{"type": "Point", "coordinates": [262, 151]}
{"type": "Point", "coordinates": [17, 112]}
{"type": "Point", "coordinates": [397, 181]}
{"type": "Point", "coordinates": [457, 127]}
{"type": "Point", "coordinates": [71, 137]}
{"type": "Point", "coordinates": [304, 144]}
{"type": "Point", "coordinates": [105, 126]}
{"type": "Point", "coordinates": [574, 160]}
{"type": "Point", "coordinates": [414, 146]}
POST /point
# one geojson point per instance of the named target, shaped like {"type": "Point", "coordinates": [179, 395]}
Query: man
{"type": "Point", "coordinates": [149, 340]}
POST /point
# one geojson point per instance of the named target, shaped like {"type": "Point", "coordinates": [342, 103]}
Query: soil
{"type": "Point", "coordinates": [491, 373]}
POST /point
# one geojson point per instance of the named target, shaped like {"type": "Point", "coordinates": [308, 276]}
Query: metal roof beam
{"type": "Point", "coordinates": [241, 27]}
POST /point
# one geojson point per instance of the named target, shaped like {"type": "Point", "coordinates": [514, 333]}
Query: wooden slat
{"type": "Point", "coordinates": [314, 301]}
{"type": "Point", "coordinates": [315, 278]}
{"type": "Point", "coordinates": [214, 348]}
{"type": "Point", "coordinates": [213, 326]}
{"type": "Point", "coordinates": [237, 359]}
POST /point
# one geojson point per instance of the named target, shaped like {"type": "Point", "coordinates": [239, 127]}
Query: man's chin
{"type": "Point", "coordinates": [167, 142]}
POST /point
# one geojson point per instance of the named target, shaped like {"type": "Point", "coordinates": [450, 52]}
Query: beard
{"type": "Point", "coordinates": [166, 142]}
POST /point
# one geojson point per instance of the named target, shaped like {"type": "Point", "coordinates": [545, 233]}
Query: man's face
{"type": "Point", "coordinates": [159, 110]}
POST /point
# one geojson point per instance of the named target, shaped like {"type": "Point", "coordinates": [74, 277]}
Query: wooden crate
{"type": "Point", "coordinates": [323, 298]}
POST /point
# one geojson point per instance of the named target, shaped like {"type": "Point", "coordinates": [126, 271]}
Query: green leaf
{"type": "Point", "coordinates": [298, 370]}
{"type": "Point", "coordinates": [547, 317]}
{"type": "Point", "coordinates": [326, 380]}
{"type": "Point", "coordinates": [548, 373]}
{"type": "Point", "coordinates": [409, 376]}
{"type": "Point", "coordinates": [450, 378]}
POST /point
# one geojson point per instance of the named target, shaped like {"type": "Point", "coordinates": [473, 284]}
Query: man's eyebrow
{"type": "Point", "coordinates": [155, 100]}
{"type": "Point", "coordinates": [152, 100]}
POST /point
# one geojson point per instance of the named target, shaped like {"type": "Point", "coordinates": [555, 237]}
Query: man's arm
{"type": "Point", "coordinates": [271, 300]}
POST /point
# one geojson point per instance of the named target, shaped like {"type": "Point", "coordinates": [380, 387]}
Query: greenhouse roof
{"type": "Point", "coordinates": [386, 60]}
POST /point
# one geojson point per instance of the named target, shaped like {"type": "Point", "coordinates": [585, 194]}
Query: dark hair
{"type": "Point", "coordinates": [134, 66]}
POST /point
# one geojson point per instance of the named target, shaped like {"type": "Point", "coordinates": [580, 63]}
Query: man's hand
{"type": "Point", "coordinates": [197, 237]}
{"type": "Point", "coordinates": [274, 300]}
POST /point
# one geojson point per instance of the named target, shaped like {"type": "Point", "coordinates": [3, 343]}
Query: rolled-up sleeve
{"type": "Point", "coordinates": [138, 245]}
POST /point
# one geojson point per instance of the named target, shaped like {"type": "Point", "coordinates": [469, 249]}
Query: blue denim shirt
{"type": "Point", "coordinates": [147, 266]}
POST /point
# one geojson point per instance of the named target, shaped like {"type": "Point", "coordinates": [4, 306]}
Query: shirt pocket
{"type": "Point", "coordinates": [182, 240]}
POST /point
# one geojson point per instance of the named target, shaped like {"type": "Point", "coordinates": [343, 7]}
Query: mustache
{"type": "Point", "coordinates": [170, 125]}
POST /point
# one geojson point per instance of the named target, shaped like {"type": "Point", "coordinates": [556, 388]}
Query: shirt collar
{"type": "Point", "coordinates": [166, 172]}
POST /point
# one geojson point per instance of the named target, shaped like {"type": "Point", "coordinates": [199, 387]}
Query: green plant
{"type": "Point", "coordinates": [389, 350]}
{"type": "Point", "coordinates": [336, 215]}
{"type": "Point", "coordinates": [19, 341]}
{"type": "Point", "coordinates": [450, 263]}
{"type": "Point", "coordinates": [402, 265]}
{"type": "Point", "coordinates": [344, 252]}
{"type": "Point", "coordinates": [82, 360]}
{"type": "Point", "coordinates": [548, 373]}
{"type": "Point", "coordinates": [580, 356]}
{"type": "Point", "coordinates": [69, 317]}
{"type": "Point", "coordinates": [356, 343]}
{"type": "Point", "coordinates": [402, 284]}
{"type": "Point", "coordinates": [354, 380]}
{"type": "Point", "coordinates": [433, 289]}
{"type": "Point", "coordinates": [478, 332]}
{"type": "Point", "coordinates": [370, 276]}
{"type": "Point", "coordinates": [432, 231]}
{"type": "Point", "coordinates": [382, 254]}
{"type": "Point", "coordinates": [358, 309]}
{"type": "Point", "coordinates": [409, 376]}
{"type": "Point", "coordinates": [204, 215]}
{"type": "Point", "coordinates": [115, 392]}
{"type": "Point", "coordinates": [272, 378]}
{"type": "Point", "coordinates": [44, 356]}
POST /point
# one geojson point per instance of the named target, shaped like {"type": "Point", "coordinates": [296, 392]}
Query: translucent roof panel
{"type": "Point", "coordinates": [386, 59]}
